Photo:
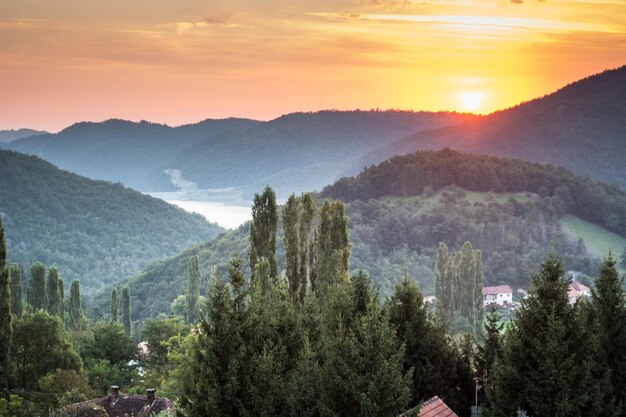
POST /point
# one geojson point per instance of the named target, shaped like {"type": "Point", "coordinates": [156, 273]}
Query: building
{"type": "Point", "coordinates": [435, 407]}
{"type": "Point", "coordinates": [500, 295]}
{"type": "Point", "coordinates": [577, 290]}
{"type": "Point", "coordinates": [118, 405]}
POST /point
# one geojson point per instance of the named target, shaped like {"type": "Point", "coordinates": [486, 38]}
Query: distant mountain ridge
{"type": "Point", "coordinates": [581, 127]}
{"type": "Point", "coordinates": [94, 231]}
{"type": "Point", "coordinates": [296, 152]}
{"type": "Point", "coordinates": [7, 136]}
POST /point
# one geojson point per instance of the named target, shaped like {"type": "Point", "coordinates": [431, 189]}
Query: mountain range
{"type": "Point", "coordinates": [7, 136]}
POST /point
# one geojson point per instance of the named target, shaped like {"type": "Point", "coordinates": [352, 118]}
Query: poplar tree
{"type": "Point", "coordinates": [52, 289]}
{"type": "Point", "coordinates": [263, 230]}
{"type": "Point", "coordinates": [126, 309]}
{"type": "Point", "coordinates": [62, 299]}
{"type": "Point", "coordinates": [17, 304]}
{"type": "Point", "coordinates": [292, 245]}
{"type": "Point", "coordinates": [75, 309]}
{"type": "Point", "coordinates": [479, 310]}
{"type": "Point", "coordinates": [309, 209]}
{"type": "Point", "coordinates": [38, 298]}
{"type": "Point", "coordinates": [115, 305]}
{"type": "Point", "coordinates": [443, 290]}
{"type": "Point", "coordinates": [333, 245]}
{"type": "Point", "coordinates": [193, 289]}
{"type": "Point", "coordinates": [609, 308]}
{"type": "Point", "coordinates": [6, 328]}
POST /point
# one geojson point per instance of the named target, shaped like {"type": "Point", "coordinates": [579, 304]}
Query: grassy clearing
{"type": "Point", "coordinates": [597, 239]}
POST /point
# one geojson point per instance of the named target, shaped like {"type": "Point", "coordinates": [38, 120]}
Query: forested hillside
{"type": "Point", "coordinates": [401, 209]}
{"type": "Point", "coordinates": [296, 152]}
{"type": "Point", "coordinates": [95, 231]}
{"type": "Point", "coordinates": [581, 127]}
{"type": "Point", "coordinates": [7, 136]}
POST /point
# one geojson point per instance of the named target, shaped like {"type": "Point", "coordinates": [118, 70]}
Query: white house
{"type": "Point", "coordinates": [501, 295]}
{"type": "Point", "coordinates": [577, 290]}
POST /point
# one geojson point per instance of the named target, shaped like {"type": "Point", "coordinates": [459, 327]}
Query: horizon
{"type": "Point", "coordinates": [190, 60]}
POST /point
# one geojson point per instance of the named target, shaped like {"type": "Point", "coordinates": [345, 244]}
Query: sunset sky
{"type": "Point", "coordinates": [182, 61]}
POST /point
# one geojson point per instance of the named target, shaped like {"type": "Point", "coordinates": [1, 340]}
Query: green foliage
{"type": "Point", "coordinates": [3, 247]}
{"type": "Point", "coordinates": [6, 326]}
{"type": "Point", "coordinates": [292, 245]}
{"type": "Point", "coordinates": [61, 388]}
{"type": "Point", "coordinates": [193, 290]}
{"type": "Point", "coordinates": [37, 294]}
{"type": "Point", "coordinates": [11, 407]}
{"type": "Point", "coordinates": [263, 230]}
{"type": "Point", "coordinates": [40, 346]}
{"type": "Point", "coordinates": [75, 308]}
{"type": "Point", "coordinates": [126, 309]}
{"type": "Point", "coordinates": [609, 308]}
{"type": "Point", "coordinates": [95, 230]}
{"type": "Point", "coordinates": [306, 243]}
{"type": "Point", "coordinates": [157, 333]}
{"type": "Point", "coordinates": [333, 247]}
{"type": "Point", "coordinates": [52, 290]}
{"type": "Point", "coordinates": [17, 301]}
{"type": "Point", "coordinates": [115, 305]}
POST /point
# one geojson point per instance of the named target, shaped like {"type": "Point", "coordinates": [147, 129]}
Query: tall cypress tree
{"type": "Point", "coordinates": [609, 308]}
{"type": "Point", "coordinates": [38, 297]}
{"type": "Point", "coordinates": [52, 289]}
{"type": "Point", "coordinates": [126, 309]}
{"type": "Point", "coordinates": [333, 245]}
{"type": "Point", "coordinates": [263, 230]}
{"type": "Point", "coordinates": [76, 311]}
{"type": "Point", "coordinates": [6, 328]}
{"type": "Point", "coordinates": [17, 304]}
{"type": "Point", "coordinates": [304, 233]}
{"type": "Point", "coordinates": [62, 299]}
{"type": "Point", "coordinates": [193, 289]}
{"type": "Point", "coordinates": [292, 245]}
{"type": "Point", "coordinates": [115, 305]}
{"type": "Point", "coordinates": [479, 310]}
{"type": "Point", "coordinates": [442, 290]}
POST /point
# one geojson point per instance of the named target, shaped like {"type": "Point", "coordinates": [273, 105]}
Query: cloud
{"type": "Point", "coordinates": [218, 18]}
{"type": "Point", "coordinates": [517, 1]}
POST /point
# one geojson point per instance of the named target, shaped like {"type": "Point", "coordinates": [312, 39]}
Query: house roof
{"type": "Point", "coordinates": [434, 407]}
{"type": "Point", "coordinates": [501, 289]}
{"type": "Point", "coordinates": [123, 405]}
{"type": "Point", "coordinates": [577, 286]}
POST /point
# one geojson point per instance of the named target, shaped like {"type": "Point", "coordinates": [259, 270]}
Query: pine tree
{"type": "Point", "coordinates": [489, 352]}
{"type": "Point", "coordinates": [309, 209]}
{"type": "Point", "coordinates": [75, 309]}
{"type": "Point", "coordinates": [193, 290]}
{"type": "Point", "coordinates": [6, 318]}
{"type": "Point", "coordinates": [609, 308]}
{"type": "Point", "coordinates": [126, 309]}
{"type": "Point", "coordinates": [263, 230]}
{"type": "Point", "coordinates": [38, 297]}
{"type": "Point", "coordinates": [17, 304]}
{"type": "Point", "coordinates": [292, 245]}
{"type": "Point", "coordinates": [62, 300]}
{"type": "Point", "coordinates": [115, 305]}
{"type": "Point", "coordinates": [427, 352]}
{"type": "Point", "coordinates": [546, 367]}
{"type": "Point", "coordinates": [52, 289]}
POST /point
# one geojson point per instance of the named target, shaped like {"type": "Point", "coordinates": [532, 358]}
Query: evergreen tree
{"type": "Point", "coordinates": [52, 289]}
{"type": "Point", "coordinates": [3, 248]}
{"type": "Point", "coordinates": [489, 352]}
{"type": "Point", "coordinates": [6, 328]}
{"type": "Point", "coordinates": [75, 309]}
{"type": "Point", "coordinates": [292, 245]}
{"type": "Point", "coordinates": [126, 309]}
{"type": "Point", "coordinates": [309, 209]}
{"type": "Point", "coordinates": [467, 280]}
{"type": "Point", "coordinates": [38, 297]}
{"type": "Point", "coordinates": [479, 278]}
{"type": "Point", "coordinates": [609, 308]}
{"type": "Point", "coordinates": [62, 300]}
{"type": "Point", "coordinates": [427, 349]}
{"type": "Point", "coordinates": [546, 368]}
{"type": "Point", "coordinates": [115, 305]}
{"type": "Point", "coordinates": [263, 230]}
{"type": "Point", "coordinates": [443, 290]}
{"type": "Point", "coordinates": [15, 275]}
{"type": "Point", "coordinates": [333, 245]}
{"type": "Point", "coordinates": [193, 290]}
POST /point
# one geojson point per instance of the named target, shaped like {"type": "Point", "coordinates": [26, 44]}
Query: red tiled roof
{"type": "Point", "coordinates": [497, 290]}
{"type": "Point", "coordinates": [577, 286]}
{"type": "Point", "coordinates": [435, 407]}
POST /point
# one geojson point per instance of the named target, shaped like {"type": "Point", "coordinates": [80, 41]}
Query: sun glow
{"type": "Point", "coordinates": [471, 101]}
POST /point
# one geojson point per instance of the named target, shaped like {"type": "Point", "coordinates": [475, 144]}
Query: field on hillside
{"type": "Point", "coordinates": [597, 239]}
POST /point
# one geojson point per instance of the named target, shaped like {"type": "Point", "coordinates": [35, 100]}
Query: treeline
{"type": "Point", "coordinates": [410, 175]}
{"type": "Point", "coordinates": [93, 230]}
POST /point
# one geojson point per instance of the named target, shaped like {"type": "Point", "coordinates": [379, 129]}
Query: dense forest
{"type": "Point", "coordinates": [400, 210]}
{"type": "Point", "coordinates": [94, 231]}
{"type": "Point", "coordinates": [317, 340]}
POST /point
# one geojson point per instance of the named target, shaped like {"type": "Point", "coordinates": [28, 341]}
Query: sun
{"type": "Point", "coordinates": [472, 100]}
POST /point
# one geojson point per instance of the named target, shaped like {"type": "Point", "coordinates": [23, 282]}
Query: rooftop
{"type": "Point", "coordinates": [501, 289]}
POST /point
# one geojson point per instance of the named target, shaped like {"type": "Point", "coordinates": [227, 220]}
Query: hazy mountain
{"type": "Point", "coordinates": [296, 152]}
{"type": "Point", "coordinates": [401, 209]}
{"type": "Point", "coordinates": [95, 231]}
{"type": "Point", "coordinates": [581, 127]}
{"type": "Point", "coordinates": [7, 136]}
{"type": "Point", "coordinates": [135, 154]}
